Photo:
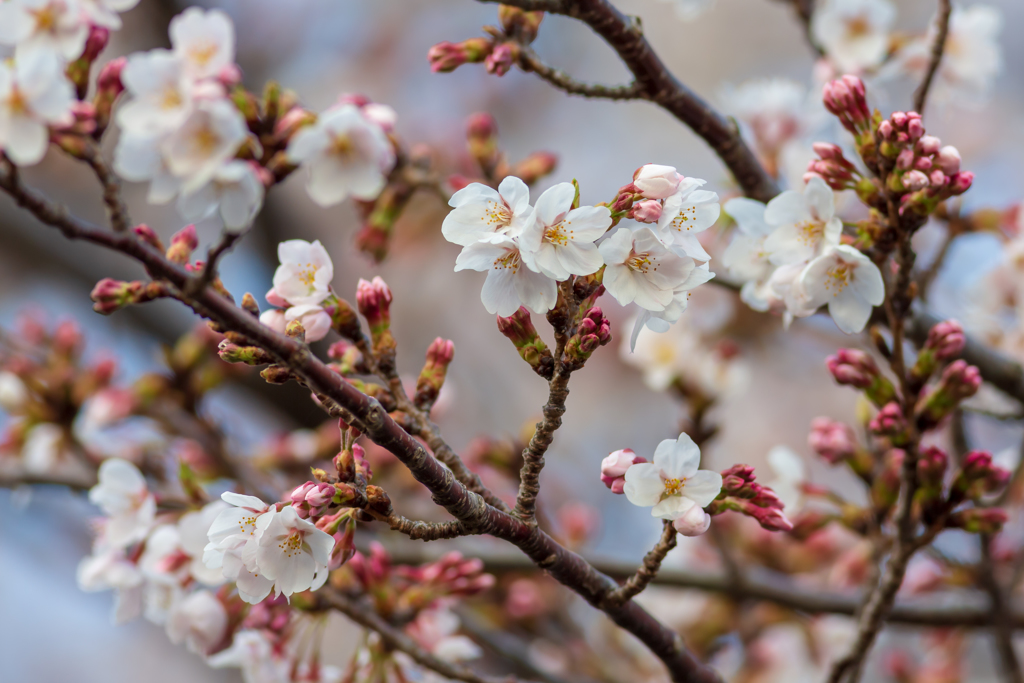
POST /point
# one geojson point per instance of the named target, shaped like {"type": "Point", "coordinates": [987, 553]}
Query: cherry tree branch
{"type": "Point", "coordinates": [116, 209]}
{"type": "Point", "coordinates": [657, 84]}
{"type": "Point", "coordinates": [649, 570]}
{"type": "Point", "coordinates": [938, 48]}
{"type": "Point", "coordinates": [370, 417]}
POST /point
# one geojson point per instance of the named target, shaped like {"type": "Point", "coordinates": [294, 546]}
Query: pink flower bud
{"type": "Point", "coordinates": [320, 495]}
{"type": "Point", "coordinates": [915, 128]}
{"type": "Point", "coordinates": [885, 130]}
{"type": "Point", "coordinates": [827, 150]}
{"type": "Point", "coordinates": [274, 319]}
{"type": "Point", "coordinates": [315, 321]}
{"type": "Point", "coordinates": [693, 522]}
{"type": "Point", "coordinates": [899, 120]}
{"type": "Point", "coordinates": [928, 145]}
{"type": "Point", "coordinates": [441, 351]}
{"type": "Point", "coordinates": [615, 464]}
{"type": "Point", "coordinates": [923, 163]}
{"type": "Point", "coordinates": [481, 126]}
{"type": "Point", "coordinates": [374, 301]}
{"type": "Point", "coordinates": [501, 59]}
{"type": "Point", "coordinates": [946, 340]}
{"type": "Point", "coordinates": [905, 159]}
{"type": "Point", "coordinates": [97, 41]}
{"type": "Point", "coordinates": [648, 211]}
{"type": "Point", "coordinates": [915, 180]}
{"type": "Point", "coordinates": [937, 178]}
{"type": "Point", "coordinates": [961, 380]}
{"type": "Point", "coordinates": [853, 367]}
{"type": "Point", "coordinates": [960, 182]}
{"type": "Point", "coordinates": [230, 76]}
{"type": "Point", "coordinates": [298, 496]}
{"type": "Point", "coordinates": [147, 234]}
{"type": "Point", "coordinates": [446, 56]}
{"type": "Point", "coordinates": [948, 159]}
{"type": "Point", "coordinates": [832, 440]}
{"type": "Point", "coordinates": [889, 420]}
{"type": "Point", "coordinates": [275, 299]}
{"type": "Point", "coordinates": [655, 181]}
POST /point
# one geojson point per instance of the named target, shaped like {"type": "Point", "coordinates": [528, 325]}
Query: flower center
{"type": "Point", "coordinates": [46, 18]}
{"type": "Point", "coordinates": [247, 525]}
{"type": "Point", "coordinates": [307, 275]}
{"type": "Point", "coordinates": [292, 545]}
{"type": "Point", "coordinates": [809, 232]}
{"type": "Point", "coordinates": [171, 99]}
{"type": "Point", "coordinates": [17, 103]}
{"type": "Point", "coordinates": [509, 261]}
{"type": "Point", "coordinates": [206, 141]}
{"type": "Point", "coordinates": [497, 213]}
{"type": "Point", "coordinates": [202, 53]}
{"type": "Point", "coordinates": [642, 262]}
{"type": "Point", "coordinates": [858, 26]}
{"type": "Point", "coordinates": [673, 487]}
{"type": "Point", "coordinates": [838, 277]}
{"type": "Point", "coordinates": [684, 216]}
{"type": "Point", "coordinates": [556, 234]}
{"type": "Point", "coordinates": [342, 145]}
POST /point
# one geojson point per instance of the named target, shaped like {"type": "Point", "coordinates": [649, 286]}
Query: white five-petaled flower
{"type": "Point", "coordinates": [305, 274]}
{"type": "Point", "coordinates": [641, 269]}
{"type": "Point", "coordinates": [480, 211]}
{"type": "Point", "coordinates": [345, 154]}
{"type": "Point", "coordinates": [58, 26]}
{"type": "Point", "coordinates": [161, 93]}
{"type": "Point", "coordinates": [34, 94]}
{"type": "Point", "coordinates": [233, 543]}
{"type": "Point", "coordinates": [853, 33]}
{"type": "Point", "coordinates": [510, 282]}
{"type": "Point", "coordinates": [804, 223]}
{"type": "Point", "coordinates": [848, 281]}
{"type": "Point", "coordinates": [204, 40]}
{"type": "Point", "coordinates": [199, 620]}
{"type": "Point", "coordinates": [560, 240]}
{"type": "Point", "coordinates": [205, 141]}
{"type": "Point", "coordinates": [123, 496]}
{"type": "Point", "coordinates": [687, 213]}
{"type": "Point", "coordinates": [672, 483]}
{"type": "Point", "coordinates": [292, 552]}
{"type": "Point", "coordinates": [235, 189]}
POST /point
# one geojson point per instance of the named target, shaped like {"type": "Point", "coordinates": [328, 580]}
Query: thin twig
{"type": "Point", "coordinates": [530, 61]}
{"type": "Point", "coordinates": [116, 209]}
{"type": "Point", "coordinates": [646, 573]}
{"type": "Point", "coordinates": [938, 48]}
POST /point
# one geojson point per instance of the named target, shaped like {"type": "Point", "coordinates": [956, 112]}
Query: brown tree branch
{"type": "Point", "coordinates": [370, 418]}
{"type": "Point", "coordinates": [938, 47]}
{"type": "Point", "coordinates": [530, 61]}
{"type": "Point", "coordinates": [657, 84]}
{"type": "Point", "coordinates": [635, 584]}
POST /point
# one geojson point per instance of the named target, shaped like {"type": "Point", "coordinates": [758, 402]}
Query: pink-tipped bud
{"type": "Point", "coordinates": [446, 56]}
{"type": "Point", "coordinates": [827, 150]}
{"type": "Point", "coordinates": [915, 180]}
{"type": "Point", "coordinates": [889, 421]}
{"type": "Point", "coordinates": [928, 145]}
{"type": "Point", "coordinates": [948, 159]}
{"type": "Point", "coordinates": [298, 495]}
{"type": "Point", "coordinates": [648, 211]}
{"type": "Point", "coordinates": [693, 522]}
{"type": "Point", "coordinates": [961, 379]}
{"type": "Point", "coordinates": [230, 76]}
{"type": "Point", "coordinates": [915, 127]}
{"type": "Point", "coordinates": [937, 178]}
{"type": "Point", "coordinates": [923, 163]}
{"type": "Point", "coordinates": [183, 243]}
{"type": "Point", "coordinates": [374, 301]}
{"type": "Point", "coordinates": [960, 183]}
{"type": "Point", "coordinates": [97, 41]}
{"type": "Point", "coordinates": [885, 130]}
{"type": "Point", "coordinates": [275, 299]}
{"type": "Point", "coordinates": [109, 80]}
{"type": "Point", "coordinates": [905, 160]}
{"type": "Point", "coordinates": [655, 181]}
{"type": "Point", "coordinates": [111, 295]}
{"type": "Point", "coordinates": [899, 120]}
{"type": "Point", "coordinates": [853, 367]}
{"type": "Point", "coordinates": [149, 236]}
{"type": "Point", "coordinates": [614, 466]}
{"type": "Point", "coordinates": [946, 340]}
{"type": "Point", "coordinates": [481, 126]}
{"type": "Point", "coordinates": [501, 59]}
{"type": "Point", "coordinates": [832, 440]}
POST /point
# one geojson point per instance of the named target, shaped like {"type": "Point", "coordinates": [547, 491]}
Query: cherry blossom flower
{"type": "Point", "coordinates": [274, 318]}
{"type": "Point", "coordinates": [34, 94]}
{"type": "Point", "coordinates": [56, 26]}
{"type": "Point", "coordinates": [161, 93]}
{"type": "Point", "coordinates": [687, 213]}
{"type": "Point", "coordinates": [235, 189]}
{"type": "Point", "coordinates": [640, 269]}
{"type": "Point", "coordinates": [673, 482]}
{"type": "Point", "coordinates": [560, 241]}
{"type": "Point", "coordinates": [480, 211]}
{"type": "Point", "coordinates": [790, 475]}
{"type": "Point", "coordinates": [345, 154]}
{"type": "Point", "coordinates": [435, 630]}
{"type": "Point", "coordinates": [205, 141]}
{"type": "Point", "coordinates": [137, 158]}
{"type": "Point", "coordinates": [199, 620]}
{"type": "Point", "coordinates": [661, 321]}
{"type": "Point", "coordinates": [972, 58]}
{"type": "Point", "coordinates": [853, 33]}
{"type": "Point", "coordinates": [305, 274]}
{"type": "Point", "coordinates": [123, 496]}
{"type": "Point", "coordinates": [193, 528]}
{"type": "Point", "coordinates": [204, 40]}
{"type": "Point", "coordinates": [804, 223]}
{"type": "Point", "coordinates": [315, 320]}
{"type": "Point", "coordinates": [233, 542]}
{"type": "Point", "coordinates": [292, 552]}
{"type": "Point", "coordinates": [254, 653]}
{"type": "Point", "coordinates": [510, 282]}
{"type": "Point", "coordinates": [848, 281]}
{"type": "Point", "coordinates": [655, 181]}
{"type": "Point", "coordinates": [108, 568]}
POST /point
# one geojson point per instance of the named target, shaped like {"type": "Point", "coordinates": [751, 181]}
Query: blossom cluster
{"type": "Point", "coordinates": [527, 249]}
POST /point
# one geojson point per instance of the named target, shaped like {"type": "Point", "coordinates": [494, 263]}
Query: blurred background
{"type": "Point", "coordinates": [51, 631]}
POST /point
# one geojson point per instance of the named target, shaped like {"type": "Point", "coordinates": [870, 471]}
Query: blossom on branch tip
{"type": "Point", "coordinates": [60, 27]}
{"type": "Point", "coordinates": [688, 212]}
{"type": "Point", "coordinates": [672, 483]}
{"type": "Point", "coordinates": [314, 319]}
{"type": "Point", "coordinates": [641, 269]}
{"type": "Point", "coordinates": [305, 274]}
{"type": "Point", "coordinates": [848, 282]}
{"type": "Point", "coordinates": [345, 154]}
{"type": "Point", "coordinates": [510, 282]}
{"type": "Point", "coordinates": [559, 242]}
{"type": "Point", "coordinates": [292, 552]}
{"type": "Point", "coordinates": [614, 466]}
{"type": "Point", "coordinates": [124, 497]}
{"type": "Point", "coordinates": [235, 190]}
{"type": "Point", "coordinates": [804, 223]}
{"type": "Point", "coordinates": [198, 620]}
{"type": "Point", "coordinates": [204, 41]}
{"type": "Point", "coordinates": [655, 181]}
{"type": "Point", "coordinates": [205, 141]}
{"type": "Point", "coordinates": [479, 211]}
